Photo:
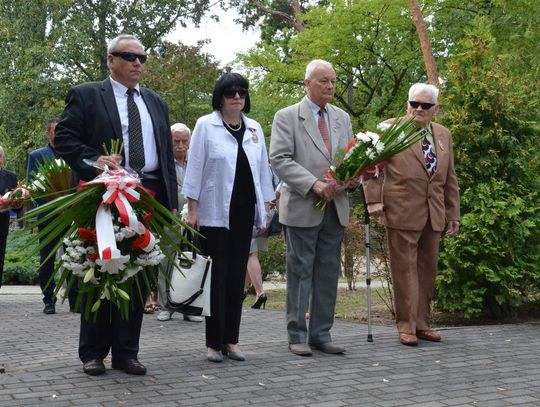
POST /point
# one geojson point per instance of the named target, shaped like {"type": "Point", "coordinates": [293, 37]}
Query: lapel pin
{"type": "Point", "coordinates": [254, 136]}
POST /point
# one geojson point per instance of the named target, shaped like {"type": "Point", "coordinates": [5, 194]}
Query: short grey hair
{"type": "Point", "coordinates": [314, 64]}
{"type": "Point", "coordinates": [114, 42]}
{"type": "Point", "coordinates": [425, 88]}
{"type": "Point", "coordinates": [180, 127]}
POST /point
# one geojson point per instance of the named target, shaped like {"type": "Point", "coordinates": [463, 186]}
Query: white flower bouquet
{"type": "Point", "coordinates": [110, 228]}
{"type": "Point", "coordinates": [368, 152]}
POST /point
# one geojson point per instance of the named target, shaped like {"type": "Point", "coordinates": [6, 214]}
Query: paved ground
{"type": "Point", "coordinates": [473, 366]}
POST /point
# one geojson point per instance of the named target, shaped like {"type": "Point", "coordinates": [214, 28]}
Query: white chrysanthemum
{"type": "Point", "coordinates": [363, 137]}
{"type": "Point", "coordinates": [371, 153]}
{"type": "Point", "coordinates": [383, 126]}
{"type": "Point", "coordinates": [373, 137]}
{"type": "Point", "coordinates": [379, 147]}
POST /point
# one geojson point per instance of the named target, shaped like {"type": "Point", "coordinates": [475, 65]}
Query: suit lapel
{"type": "Point", "coordinates": [109, 101]}
{"type": "Point", "coordinates": [312, 129]}
{"type": "Point", "coordinates": [440, 148]}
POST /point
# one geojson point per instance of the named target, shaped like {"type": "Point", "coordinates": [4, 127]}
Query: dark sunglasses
{"type": "Point", "coordinates": [231, 93]}
{"type": "Point", "coordinates": [130, 56]}
{"type": "Point", "coordinates": [425, 106]}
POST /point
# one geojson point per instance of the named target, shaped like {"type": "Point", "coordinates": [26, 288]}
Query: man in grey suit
{"type": "Point", "coordinates": [305, 137]}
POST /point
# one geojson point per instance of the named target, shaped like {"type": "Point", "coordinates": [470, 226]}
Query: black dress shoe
{"type": "Point", "coordinates": [94, 367]}
{"type": "Point", "coordinates": [49, 309]}
{"type": "Point", "coordinates": [130, 366]}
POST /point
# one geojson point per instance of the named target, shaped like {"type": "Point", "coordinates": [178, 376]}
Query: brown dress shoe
{"type": "Point", "coordinates": [408, 339]}
{"type": "Point", "coordinates": [429, 335]}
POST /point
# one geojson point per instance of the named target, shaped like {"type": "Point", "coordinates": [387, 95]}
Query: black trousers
{"type": "Point", "coordinates": [229, 250]}
{"type": "Point", "coordinates": [109, 331]}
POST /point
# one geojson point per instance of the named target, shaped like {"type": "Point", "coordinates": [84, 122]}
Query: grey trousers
{"type": "Point", "coordinates": [313, 268]}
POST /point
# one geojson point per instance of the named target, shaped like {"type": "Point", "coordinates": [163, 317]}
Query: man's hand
{"type": "Point", "coordinates": [111, 161]}
{"type": "Point", "coordinates": [453, 228]}
{"type": "Point", "coordinates": [324, 190]}
{"type": "Point", "coordinates": [376, 209]}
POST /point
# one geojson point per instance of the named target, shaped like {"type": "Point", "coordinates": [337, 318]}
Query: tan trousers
{"type": "Point", "coordinates": [413, 264]}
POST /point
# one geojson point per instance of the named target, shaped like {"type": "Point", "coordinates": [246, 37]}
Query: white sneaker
{"type": "Point", "coordinates": [193, 318]}
{"type": "Point", "coordinates": [164, 315]}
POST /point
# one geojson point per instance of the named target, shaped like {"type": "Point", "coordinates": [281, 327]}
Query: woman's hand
{"type": "Point", "coordinates": [192, 218]}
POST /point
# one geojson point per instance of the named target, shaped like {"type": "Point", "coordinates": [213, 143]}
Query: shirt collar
{"type": "Point", "coordinates": [314, 107]}
{"type": "Point", "coordinates": [120, 89]}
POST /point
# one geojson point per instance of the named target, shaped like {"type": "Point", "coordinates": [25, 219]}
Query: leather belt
{"type": "Point", "coordinates": [152, 175]}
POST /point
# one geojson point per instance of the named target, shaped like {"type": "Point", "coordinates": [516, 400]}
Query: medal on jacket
{"type": "Point", "coordinates": [254, 136]}
{"type": "Point", "coordinates": [441, 145]}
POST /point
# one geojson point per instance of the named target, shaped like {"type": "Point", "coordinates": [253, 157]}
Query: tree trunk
{"type": "Point", "coordinates": [425, 43]}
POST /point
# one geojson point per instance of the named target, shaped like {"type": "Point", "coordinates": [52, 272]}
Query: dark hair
{"type": "Point", "coordinates": [226, 81]}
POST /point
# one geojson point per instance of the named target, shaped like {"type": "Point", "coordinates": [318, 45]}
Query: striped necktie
{"type": "Point", "coordinates": [323, 128]}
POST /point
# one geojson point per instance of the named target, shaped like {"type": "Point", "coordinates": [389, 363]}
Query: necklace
{"type": "Point", "coordinates": [233, 127]}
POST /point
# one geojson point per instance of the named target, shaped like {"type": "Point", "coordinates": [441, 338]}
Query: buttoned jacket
{"type": "Point", "coordinates": [410, 197]}
{"type": "Point", "coordinates": [299, 157]}
{"type": "Point", "coordinates": [211, 169]}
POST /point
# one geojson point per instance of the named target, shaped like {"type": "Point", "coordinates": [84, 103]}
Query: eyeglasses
{"type": "Point", "coordinates": [231, 93]}
{"type": "Point", "coordinates": [425, 106]}
{"type": "Point", "coordinates": [130, 56]}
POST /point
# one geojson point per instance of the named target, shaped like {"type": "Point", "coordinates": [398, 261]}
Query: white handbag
{"type": "Point", "coordinates": [189, 290]}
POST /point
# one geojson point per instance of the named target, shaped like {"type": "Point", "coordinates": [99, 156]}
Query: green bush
{"type": "Point", "coordinates": [273, 261]}
{"type": "Point", "coordinates": [19, 268]}
{"type": "Point", "coordinates": [493, 264]}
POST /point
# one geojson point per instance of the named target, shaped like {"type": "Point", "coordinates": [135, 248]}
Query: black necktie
{"type": "Point", "coordinates": [136, 146]}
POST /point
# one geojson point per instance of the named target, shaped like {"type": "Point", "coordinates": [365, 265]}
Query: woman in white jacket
{"type": "Point", "coordinates": [228, 186]}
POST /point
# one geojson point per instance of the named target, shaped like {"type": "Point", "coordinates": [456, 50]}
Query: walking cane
{"type": "Point", "coordinates": [368, 263]}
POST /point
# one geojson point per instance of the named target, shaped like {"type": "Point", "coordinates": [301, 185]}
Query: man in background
{"type": "Point", "coordinates": [46, 268]}
{"type": "Point", "coordinates": [415, 197]}
{"type": "Point", "coordinates": [180, 134]}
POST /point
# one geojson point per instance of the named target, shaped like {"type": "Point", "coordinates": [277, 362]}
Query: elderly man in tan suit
{"type": "Point", "coordinates": [305, 137]}
{"type": "Point", "coordinates": [417, 194]}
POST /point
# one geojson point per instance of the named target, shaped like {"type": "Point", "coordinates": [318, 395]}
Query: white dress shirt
{"type": "Point", "coordinates": [150, 149]}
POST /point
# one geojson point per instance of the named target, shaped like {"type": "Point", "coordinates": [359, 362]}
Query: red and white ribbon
{"type": "Point", "coordinates": [120, 192]}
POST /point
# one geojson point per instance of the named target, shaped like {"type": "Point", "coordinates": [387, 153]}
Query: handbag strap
{"type": "Point", "coordinates": [199, 291]}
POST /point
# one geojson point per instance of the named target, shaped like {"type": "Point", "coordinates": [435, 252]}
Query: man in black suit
{"type": "Point", "coordinates": [96, 113]}
{"type": "Point", "coordinates": [8, 182]}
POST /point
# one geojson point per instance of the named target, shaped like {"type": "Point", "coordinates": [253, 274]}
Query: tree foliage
{"type": "Point", "coordinates": [184, 76]}
{"type": "Point", "coordinates": [48, 46]}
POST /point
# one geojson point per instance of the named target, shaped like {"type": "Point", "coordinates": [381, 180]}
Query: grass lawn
{"type": "Point", "coordinates": [351, 305]}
